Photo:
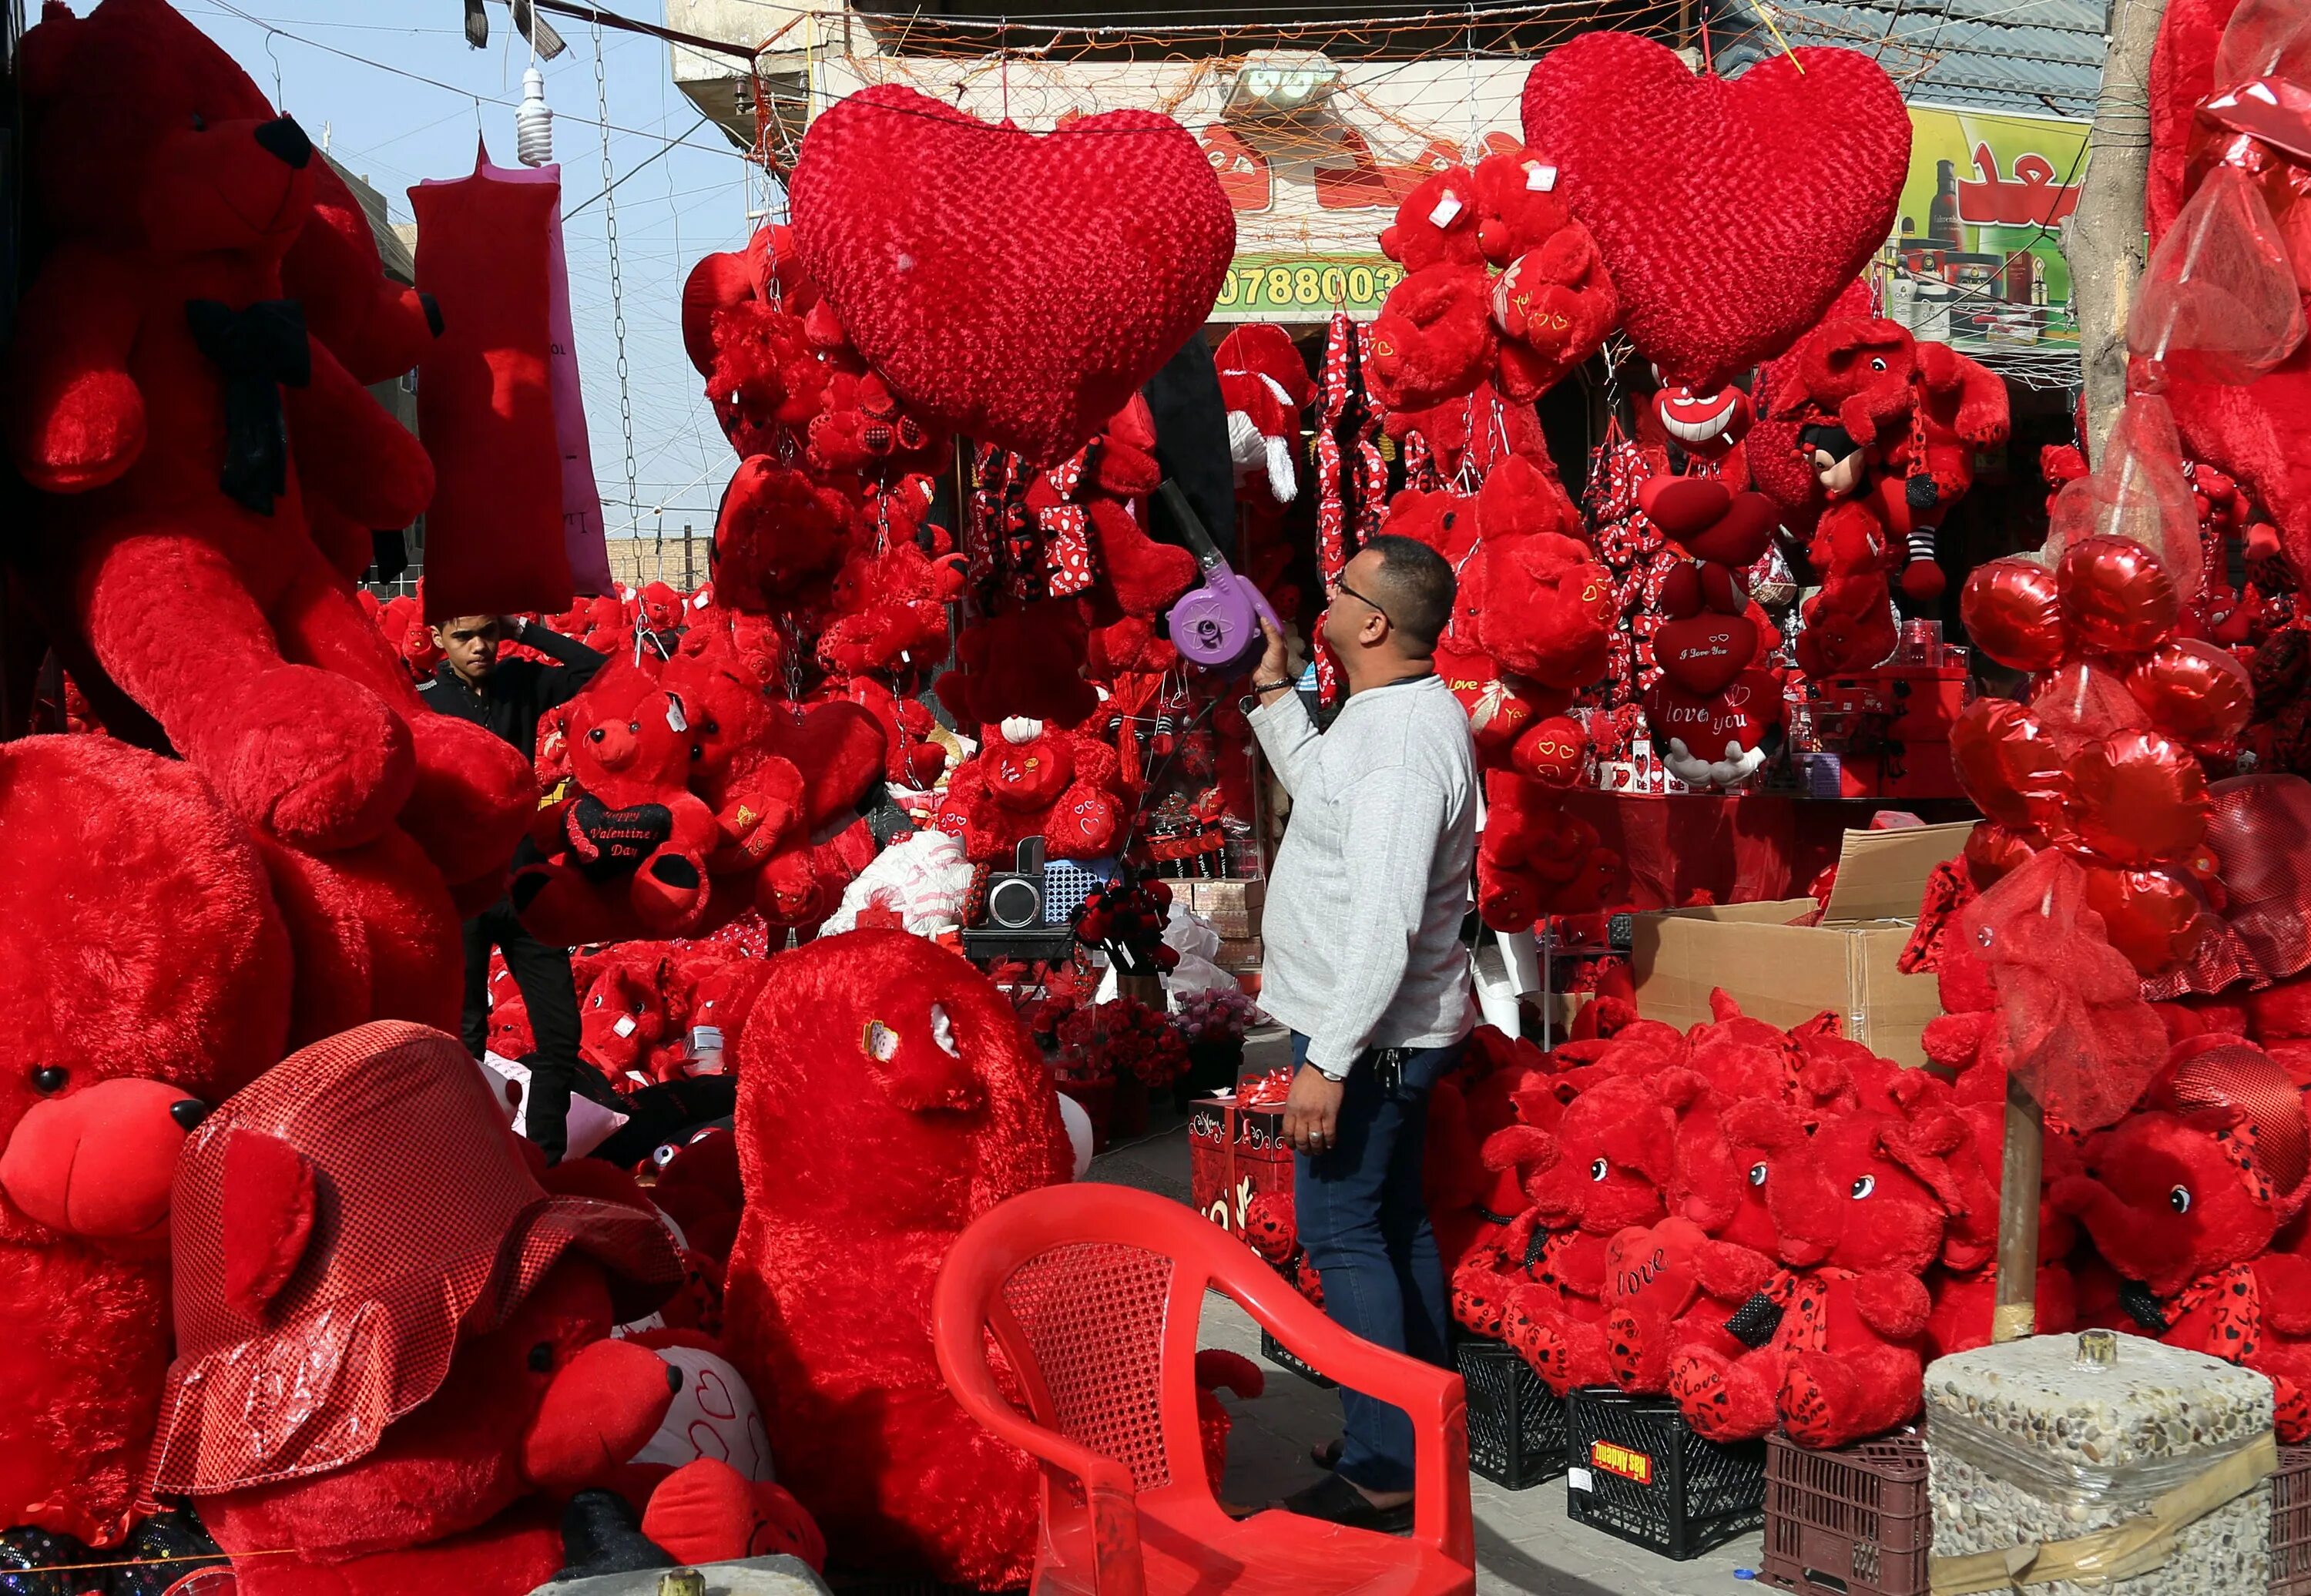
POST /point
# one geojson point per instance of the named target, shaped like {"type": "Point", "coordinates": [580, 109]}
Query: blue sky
{"type": "Point", "coordinates": [379, 120]}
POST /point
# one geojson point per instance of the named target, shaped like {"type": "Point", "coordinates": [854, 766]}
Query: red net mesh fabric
{"type": "Point", "coordinates": [426, 1220]}
{"type": "Point", "coordinates": [2259, 830]}
{"type": "Point", "coordinates": [1094, 1314]}
{"type": "Point", "coordinates": [2246, 1079]}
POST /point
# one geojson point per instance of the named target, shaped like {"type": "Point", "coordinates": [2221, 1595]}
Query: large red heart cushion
{"type": "Point", "coordinates": [1017, 286]}
{"type": "Point", "coordinates": [1730, 212]}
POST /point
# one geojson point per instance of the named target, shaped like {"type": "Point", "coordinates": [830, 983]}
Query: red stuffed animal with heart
{"type": "Point", "coordinates": [1032, 780]}
{"type": "Point", "coordinates": [487, 1390]}
{"type": "Point", "coordinates": [1715, 716]}
{"type": "Point", "coordinates": [1870, 1196]}
{"type": "Point", "coordinates": [1550, 612]}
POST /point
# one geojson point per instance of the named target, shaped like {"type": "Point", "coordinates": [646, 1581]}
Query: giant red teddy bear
{"type": "Point", "coordinates": [123, 882]}
{"type": "Point", "coordinates": [887, 1097]}
{"type": "Point", "coordinates": [161, 393]}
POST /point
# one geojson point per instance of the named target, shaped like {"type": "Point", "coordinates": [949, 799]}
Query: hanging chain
{"type": "Point", "coordinates": [617, 291]}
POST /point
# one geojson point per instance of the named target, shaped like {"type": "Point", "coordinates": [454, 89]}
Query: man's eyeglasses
{"type": "Point", "coordinates": [1339, 588]}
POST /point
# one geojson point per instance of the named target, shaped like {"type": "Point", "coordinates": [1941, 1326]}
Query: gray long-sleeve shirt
{"type": "Point", "coordinates": [1364, 914]}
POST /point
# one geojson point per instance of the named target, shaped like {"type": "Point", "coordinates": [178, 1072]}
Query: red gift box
{"type": "Point", "coordinates": [1235, 1154]}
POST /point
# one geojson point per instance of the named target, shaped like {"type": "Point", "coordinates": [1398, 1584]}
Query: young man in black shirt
{"type": "Point", "coordinates": [508, 697]}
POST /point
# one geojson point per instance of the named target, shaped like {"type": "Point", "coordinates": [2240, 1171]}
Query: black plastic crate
{"type": "Point", "coordinates": [1636, 1469]}
{"type": "Point", "coordinates": [1516, 1424]}
{"type": "Point", "coordinates": [1284, 1357]}
{"type": "Point", "coordinates": [1855, 1522]}
{"type": "Point", "coordinates": [2291, 1523]}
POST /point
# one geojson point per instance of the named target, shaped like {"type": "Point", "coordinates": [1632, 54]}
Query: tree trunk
{"type": "Point", "coordinates": [2103, 240]}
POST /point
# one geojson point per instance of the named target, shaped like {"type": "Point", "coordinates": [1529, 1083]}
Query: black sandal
{"type": "Point", "coordinates": [1334, 1501]}
{"type": "Point", "coordinates": [1326, 1455]}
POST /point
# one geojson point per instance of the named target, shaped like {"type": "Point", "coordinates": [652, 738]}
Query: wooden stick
{"type": "Point", "coordinates": [2016, 1314]}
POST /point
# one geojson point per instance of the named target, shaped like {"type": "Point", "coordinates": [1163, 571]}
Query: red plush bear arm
{"type": "Point", "coordinates": [350, 452]}
{"type": "Point", "coordinates": [76, 417]}
{"type": "Point", "coordinates": [1730, 1272]}
{"type": "Point", "coordinates": [2284, 1280]}
{"type": "Point", "coordinates": [1894, 1305]}
{"type": "Point", "coordinates": [1984, 418]}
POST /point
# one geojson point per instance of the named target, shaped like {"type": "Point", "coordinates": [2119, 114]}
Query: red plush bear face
{"type": "Point", "coordinates": [622, 1016]}
{"type": "Point", "coordinates": [2170, 1196]}
{"type": "Point", "coordinates": [630, 740]}
{"type": "Point", "coordinates": [547, 1402]}
{"type": "Point", "coordinates": [1614, 1146]}
{"type": "Point", "coordinates": [124, 1023]}
{"type": "Point", "coordinates": [1027, 766]}
{"type": "Point", "coordinates": [1439, 222]}
{"type": "Point", "coordinates": [1864, 1186]}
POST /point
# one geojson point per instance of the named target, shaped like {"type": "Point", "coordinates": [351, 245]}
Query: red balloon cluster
{"type": "Point", "coordinates": [2102, 759]}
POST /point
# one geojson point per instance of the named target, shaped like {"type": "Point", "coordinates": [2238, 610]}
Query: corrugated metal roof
{"type": "Point", "coordinates": [2036, 58]}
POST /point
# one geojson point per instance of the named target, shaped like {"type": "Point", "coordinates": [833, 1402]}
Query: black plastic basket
{"type": "Point", "coordinates": [1637, 1470]}
{"type": "Point", "coordinates": [1851, 1522]}
{"type": "Point", "coordinates": [2291, 1523]}
{"type": "Point", "coordinates": [1516, 1424]}
{"type": "Point", "coordinates": [1284, 1357]}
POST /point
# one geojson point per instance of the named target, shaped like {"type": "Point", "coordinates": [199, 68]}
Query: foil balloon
{"type": "Point", "coordinates": [2137, 798]}
{"type": "Point", "coordinates": [2009, 764]}
{"type": "Point", "coordinates": [2083, 702]}
{"type": "Point", "coordinates": [1992, 849]}
{"type": "Point", "coordinates": [2117, 596]}
{"type": "Point", "coordinates": [2195, 691]}
{"type": "Point", "coordinates": [2151, 917]}
{"type": "Point", "coordinates": [2012, 610]}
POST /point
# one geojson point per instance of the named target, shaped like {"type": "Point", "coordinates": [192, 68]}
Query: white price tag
{"type": "Point", "coordinates": [1538, 178]}
{"type": "Point", "coordinates": [1447, 209]}
{"type": "Point", "coordinates": [625, 1026]}
{"type": "Point", "coordinates": [1579, 1480]}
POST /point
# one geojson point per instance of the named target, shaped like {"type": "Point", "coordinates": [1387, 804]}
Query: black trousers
{"type": "Point", "coordinates": [543, 974]}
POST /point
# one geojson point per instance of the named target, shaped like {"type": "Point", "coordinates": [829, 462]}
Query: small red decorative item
{"type": "Point", "coordinates": [2137, 798]}
{"type": "Point", "coordinates": [1007, 282]}
{"type": "Point", "coordinates": [2009, 764]}
{"type": "Point", "coordinates": [2116, 595]}
{"type": "Point", "coordinates": [1797, 165]}
{"type": "Point", "coordinates": [2196, 691]}
{"type": "Point", "coordinates": [2013, 613]}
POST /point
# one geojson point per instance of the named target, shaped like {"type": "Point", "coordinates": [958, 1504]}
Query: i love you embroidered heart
{"type": "Point", "coordinates": [1730, 212]}
{"type": "Point", "coordinates": [1017, 286]}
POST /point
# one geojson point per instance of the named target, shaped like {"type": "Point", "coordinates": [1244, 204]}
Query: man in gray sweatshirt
{"type": "Point", "coordinates": [1364, 963]}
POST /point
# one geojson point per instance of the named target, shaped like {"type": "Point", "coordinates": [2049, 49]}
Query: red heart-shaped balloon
{"type": "Point", "coordinates": [2138, 798]}
{"type": "Point", "coordinates": [2116, 595]}
{"type": "Point", "coordinates": [2008, 763]}
{"type": "Point", "coordinates": [1731, 213]}
{"type": "Point", "coordinates": [2013, 612]}
{"type": "Point", "coordinates": [1017, 287]}
{"type": "Point", "coordinates": [2152, 918]}
{"type": "Point", "coordinates": [2195, 691]}
{"type": "Point", "coordinates": [1702, 653]}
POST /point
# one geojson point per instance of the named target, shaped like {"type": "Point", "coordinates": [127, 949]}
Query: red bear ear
{"type": "Point", "coordinates": [270, 1198]}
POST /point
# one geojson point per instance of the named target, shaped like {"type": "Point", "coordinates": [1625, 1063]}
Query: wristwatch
{"type": "Point", "coordinates": [1329, 1075]}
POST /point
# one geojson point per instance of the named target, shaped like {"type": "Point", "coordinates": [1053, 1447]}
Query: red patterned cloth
{"type": "Point", "coordinates": [427, 1224]}
{"type": "Point", "coordinates": [1331, 505]}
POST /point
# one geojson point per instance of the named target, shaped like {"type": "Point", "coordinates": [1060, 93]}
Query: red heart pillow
{"type": "Point", "coordinates": [1019, 287]}
{"type": "Point", "coordinates": [1731, 213]}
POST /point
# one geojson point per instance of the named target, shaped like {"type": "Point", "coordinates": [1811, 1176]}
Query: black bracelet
{"type": "Point", "coordinates": [1269, 686]}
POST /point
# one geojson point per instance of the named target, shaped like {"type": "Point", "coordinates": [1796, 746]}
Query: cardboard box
{"type": "Point", "coordinates": [1785, 974]}
{"type": "Point", "coordinates": [1233, 1155]}
{"type": "Point", "coordinates": [1232, 906]}
{"type": "Point", "coordinates": [1239, 953]}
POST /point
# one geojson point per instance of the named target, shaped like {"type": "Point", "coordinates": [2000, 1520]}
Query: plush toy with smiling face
{"type": "Point", "coordinates": [125, 1027]}
{"type": "Point", "coordinates": [888, 1096]}
{"type": "Point", "coordinates": [481, 1387]}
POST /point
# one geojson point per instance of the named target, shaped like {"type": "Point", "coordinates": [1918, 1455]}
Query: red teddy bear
{"type": "Point", "coordinates": [125, 1027]}
{"type": "Point", "coordinates": [436, 1446]}
{"type": "Point", "coordinates": [162, 390]}
{"type": "Point", "coordinates": [1028, 779]}
{"type": "Point", "coordinates": [887, 1098]}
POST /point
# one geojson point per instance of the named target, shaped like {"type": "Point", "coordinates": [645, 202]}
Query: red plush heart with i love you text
{"type": "Point", "coordinates": [1729, 212]}
{"type": "Point", "coordinates": [1019, 287]}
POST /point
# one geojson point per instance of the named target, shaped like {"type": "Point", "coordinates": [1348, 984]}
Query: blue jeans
{"type": "Point", "coordinates": [1365, 1227]}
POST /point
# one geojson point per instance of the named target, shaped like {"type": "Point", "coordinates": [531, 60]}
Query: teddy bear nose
{"type": "Point", "coordinates": [189, 1113]}
{"type": "Point", "coordinates": [674, 1379]}
{"type": "Point", "coordinates": [285, 142]}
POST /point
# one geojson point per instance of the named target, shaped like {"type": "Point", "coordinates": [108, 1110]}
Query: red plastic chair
{"type": "Point", "coordinates": [1092, 1295]}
